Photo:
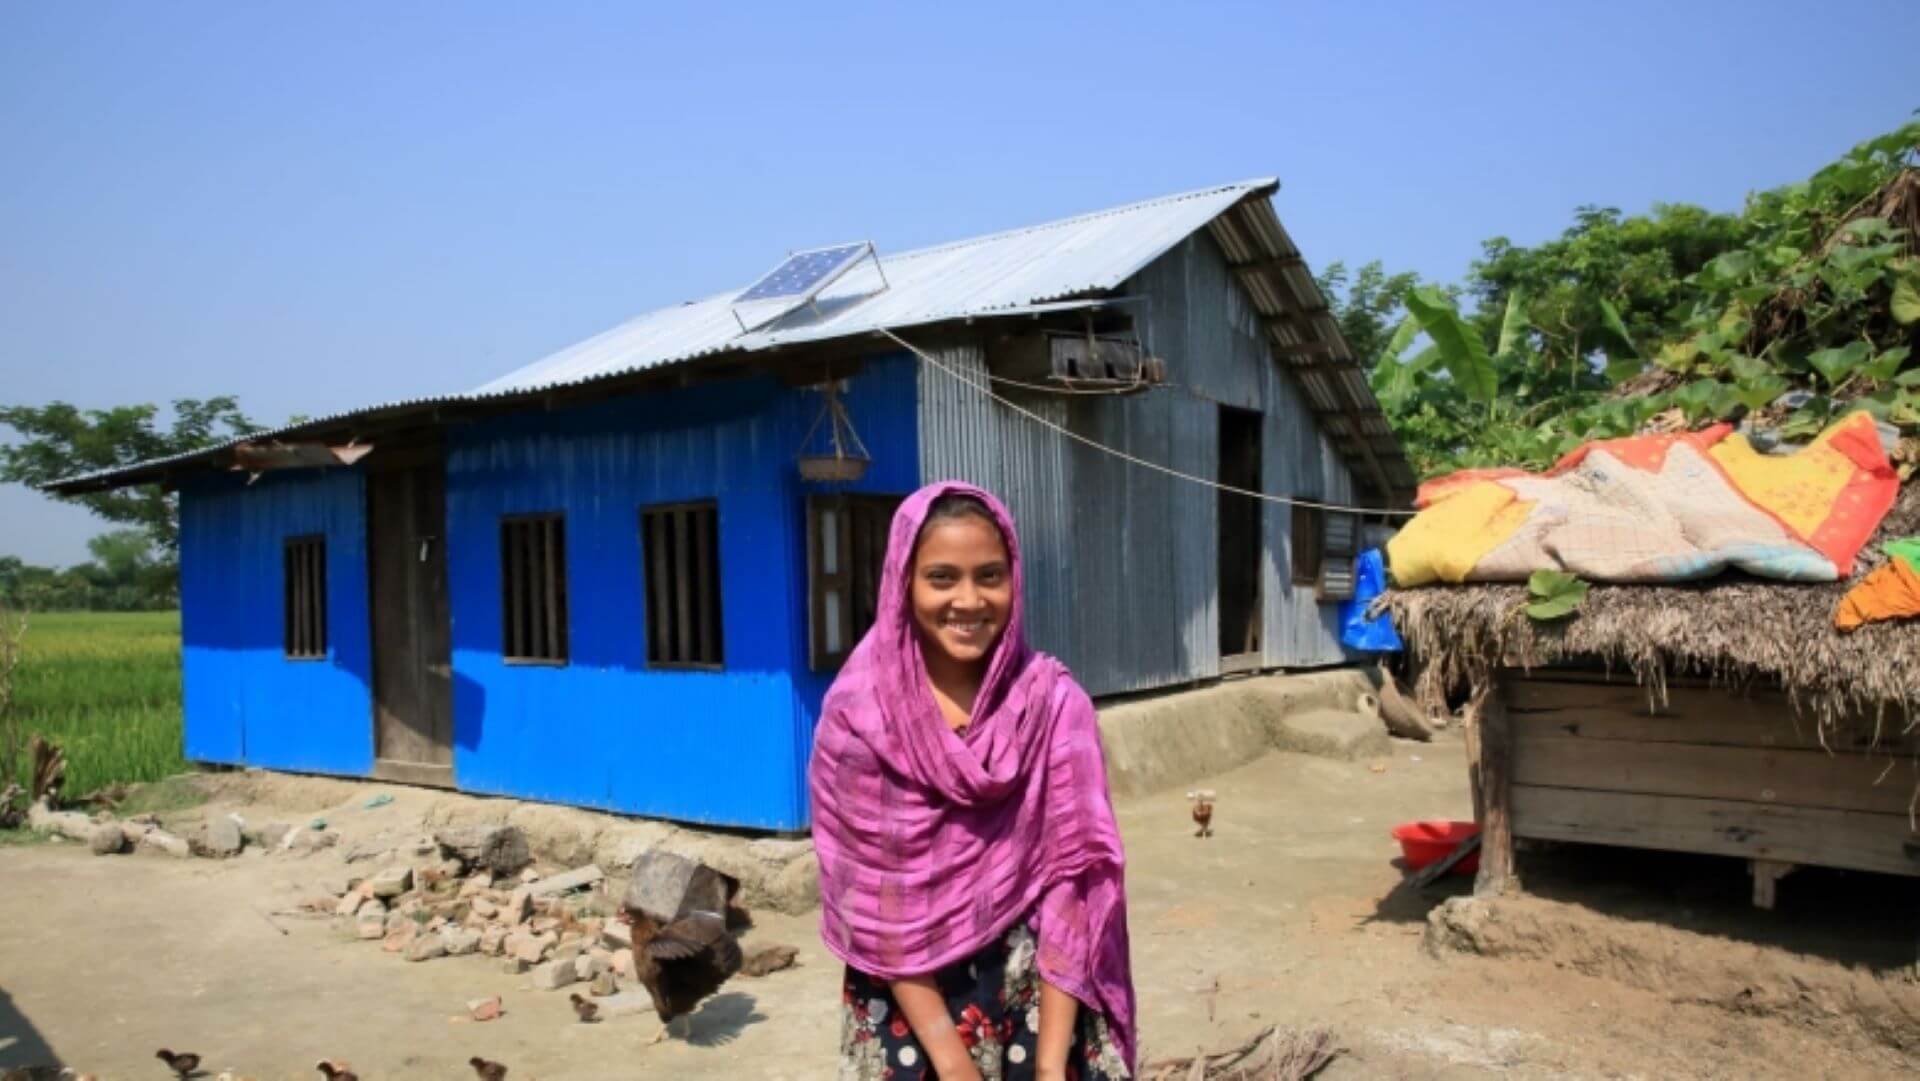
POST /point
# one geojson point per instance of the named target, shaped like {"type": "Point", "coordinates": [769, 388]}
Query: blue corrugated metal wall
{"type": "Point", "coordinates": [605, 730]}
{"type": "Point", "coordinates": [245, 701]}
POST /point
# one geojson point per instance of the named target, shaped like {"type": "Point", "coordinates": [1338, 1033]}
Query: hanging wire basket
{"type": "Point", "coordinates": [847, 460]}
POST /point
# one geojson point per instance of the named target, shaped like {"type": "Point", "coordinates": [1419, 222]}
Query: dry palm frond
{"type": "Point", "coordinates": [49, 770]}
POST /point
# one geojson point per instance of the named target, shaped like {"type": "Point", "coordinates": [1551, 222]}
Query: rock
{"type": "Point", "coordinates": [501, 850]}
{"type": "Point", "coordinates": [477, 885]}
{"type": "Point", "coordinates": [540, 925]}
{"type": "Point", "coordinates": [390, 881]}
{"type": "Point", "coordinates": [554, 975]}
{"type": "Point", "coordinates": [460, 941]}
{"type": "Point", "coordinates": [308, 841]}
{"type": "Point", "coordinates": [485, 1009]}
{"type": "Point", "coordinates": [626, 1002]}
{"type": "Point", "coordinates": [528, 947]}
{"type": "Point", "coordinates": [666, 887]}
{"type": "Point", "coordinates": [480, 906]}
{"type": "Point", "coordinates": [623, 965]}
{"type": "Point", "coordinates": [71, 825]}
{"type": "Point", "coordinates": [370, 927]}
{"type": "Point", "coordinates": [398, 920]}
{"type": "Point", "coordinates": [567, 950]}
{"type": "Point", "coordinates": [513, 966]}
{"type": "Point", "coordinates": [350, 902]}
{"type": "Point", "coordinates": [167, 842]}
{"type": "Point", "coordinates": [603, 985]}
{"type": "Point", "coordinates": [135, 832]}
{"type": "Point", "coordinates": [222, 837]}
{"type": "Point", "coordinates": [371, 908]}
{"type": "Point", "coordinates": [617, 935]}
{"type": "Point", "coordinates": [370, 848]}
{"type": "Point", "coordinates": [273, 835]}
{"type": "Point", "coordinates": [518, 907]}
{"type": "Point", "coordinates": [427, 947]}
{"type": "Point", "coordinates": [400, 939]}
{"type": "Point", "coordinates": [584, 968]}
{"type": "Point", "coordinates": [768, 960]}
{"type": "Point", "coordinates": [493, 941]}
{"type": "Point", "coordinates": [529, 876]}
{"type": "Point", "coordinates": [578, 878]}
{"type": "Point", "coordinates": [620, 847]}
{"type": "Point", "coordinates": [107, 839]}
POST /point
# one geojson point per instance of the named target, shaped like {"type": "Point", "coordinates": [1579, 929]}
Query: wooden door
{"type": "Point", "coordinates": [1240, 541]}
{"type": "Point", "coordinates": [412, 640]}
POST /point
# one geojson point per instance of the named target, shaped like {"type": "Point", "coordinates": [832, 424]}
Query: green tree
{"type": "Point", "coordinates": [1814, 287]}
{"type": "Point", "coordinates": [1368, 303]}
{"type": "Point", "coordinates": [59, 440]}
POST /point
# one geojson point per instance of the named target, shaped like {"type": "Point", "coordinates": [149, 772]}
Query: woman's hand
{"type": "Point", "coordinates": [925, 1009]}
{"type": "Point", "coordinates": [1058, 1011]}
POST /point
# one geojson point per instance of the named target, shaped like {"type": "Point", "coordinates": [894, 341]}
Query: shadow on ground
{"type": "Point", "coordinates": [721, 1018]}
{"type": "Point", "coordinates": [21, 1045]}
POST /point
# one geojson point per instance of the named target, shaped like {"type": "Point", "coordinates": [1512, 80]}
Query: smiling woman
{"type": "Point", "coordinates": [961, 593]}
{"type": "Point", "coordinates": [970, 869]}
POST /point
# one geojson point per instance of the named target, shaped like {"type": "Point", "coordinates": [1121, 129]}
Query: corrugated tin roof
{"type": "Point", "coordinates": [1001, 274]}
{"type": "Point", "coordinates": [982, 276]}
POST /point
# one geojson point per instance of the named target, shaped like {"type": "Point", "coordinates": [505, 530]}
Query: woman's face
{"type": "Point", "coordinates": [962, 587]}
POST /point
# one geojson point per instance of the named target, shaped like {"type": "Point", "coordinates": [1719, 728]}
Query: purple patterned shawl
{"type": "Point", "coordinates": [932, 844]}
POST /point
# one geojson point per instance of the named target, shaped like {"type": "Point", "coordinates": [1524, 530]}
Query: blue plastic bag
{"type": "Point", "coordinates": [1356, 630]}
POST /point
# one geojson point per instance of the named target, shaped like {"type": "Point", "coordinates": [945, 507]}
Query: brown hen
{"type": "Point", "coordinates": [681, 963]}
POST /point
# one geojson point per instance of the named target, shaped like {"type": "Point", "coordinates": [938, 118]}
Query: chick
{"type": "Point", "coordinates": [588, 1012]}
{"type": "Point", "coordinates": [182, 1063]}
{"type": "Point", "coordinates": [488, 1071]}
{"type": "Point", "coordinates": [1202, 811]}
{"type": "Point", "coordinates": [336, 1071]}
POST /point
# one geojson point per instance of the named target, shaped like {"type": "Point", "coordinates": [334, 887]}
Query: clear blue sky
{"type": "Point", "coordinates": [319, 206]}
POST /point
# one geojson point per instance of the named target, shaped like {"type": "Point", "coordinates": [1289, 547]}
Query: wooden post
{"type": "Point", "coordinates": [1496, 791]}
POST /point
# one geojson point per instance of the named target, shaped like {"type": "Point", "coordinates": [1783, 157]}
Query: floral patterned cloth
{"type": "Point", "coordinates": [994, 998]}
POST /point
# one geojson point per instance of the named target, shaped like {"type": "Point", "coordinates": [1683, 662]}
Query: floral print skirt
{"type": "Point", "coordinates": [994, 998]}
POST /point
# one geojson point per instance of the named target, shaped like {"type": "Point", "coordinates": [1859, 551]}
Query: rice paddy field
{"type": "Point", "coordinates": [105, 687]}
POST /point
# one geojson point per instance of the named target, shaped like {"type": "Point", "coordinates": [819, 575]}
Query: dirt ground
{"type": "Point", "coordinates": [1293, 913]}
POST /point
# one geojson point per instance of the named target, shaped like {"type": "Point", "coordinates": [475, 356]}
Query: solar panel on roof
{"type": "Point", "coordinates": [804, 273]}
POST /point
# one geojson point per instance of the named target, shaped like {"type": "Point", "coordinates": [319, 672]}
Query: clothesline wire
{"type": "Point", "coordinates": [1123, 455]}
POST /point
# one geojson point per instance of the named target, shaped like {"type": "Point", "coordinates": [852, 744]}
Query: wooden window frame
{"type": "Point", "coordinates": [860, 543]}
{"type": "Point", "coordinates": [533, 590]}
{"type": "Point", "coordinates": [303, 569]}
{"type": "Point", "coordinates": [685, 622]}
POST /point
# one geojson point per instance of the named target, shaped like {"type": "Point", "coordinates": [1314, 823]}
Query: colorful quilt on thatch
{"type": "Point", "coordinates": [1657, 508]}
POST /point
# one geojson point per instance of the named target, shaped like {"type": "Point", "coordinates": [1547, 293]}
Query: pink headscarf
{"type": "Point", "coordinates": [932, 844]}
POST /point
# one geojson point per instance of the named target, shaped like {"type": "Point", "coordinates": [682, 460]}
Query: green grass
{"type": "Point", "coordinates": [105, 687]}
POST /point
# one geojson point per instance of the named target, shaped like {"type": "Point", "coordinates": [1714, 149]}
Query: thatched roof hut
{"type": "Point", "coordinates": [1733, 630]}
{"type": "Point", "coordinates": [1713, 751]}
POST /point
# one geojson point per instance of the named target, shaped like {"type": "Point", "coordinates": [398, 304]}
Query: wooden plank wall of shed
{"type": "Point", "coordinates": [1121, 561]}
{"type": "Point", "coordinates": [1710, 772]}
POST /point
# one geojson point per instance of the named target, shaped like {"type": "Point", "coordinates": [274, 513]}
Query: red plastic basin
{"type": "Point", "coordinates": [1429, 842]}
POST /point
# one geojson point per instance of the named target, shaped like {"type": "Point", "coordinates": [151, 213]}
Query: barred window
{"type": "Point", "coordinates": [533, 589]}
{"type": "Point", "coordinates": [680, 553]}
{"type": "Point", "coordinates": [846, 550]}
{"type": "Point", "coordinates": [304, 576]}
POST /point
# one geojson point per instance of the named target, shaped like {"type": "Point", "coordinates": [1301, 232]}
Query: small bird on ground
{"type": "Point", "coordinates": [336, 1071]}
{"type": "Point", "coordinates": [1202, 811]}
{"type": "Point", "coordinates": [588, 1012]}
{"type": "Point", "coordinates": [681, 963]}
{"type": "Point", "coordinates": [488, 1071]}
{"type": "Point", "coordinates": [183, 1063]}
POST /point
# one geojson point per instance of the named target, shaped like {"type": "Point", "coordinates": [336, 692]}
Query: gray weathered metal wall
{"type": "Point", "coordinates": [1121, 561]}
